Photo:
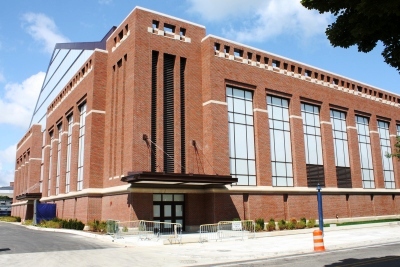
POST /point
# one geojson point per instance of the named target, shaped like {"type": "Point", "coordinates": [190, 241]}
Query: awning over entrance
{"type": "Point", "coordinates": [161, 178]}
{"type": "Point", "coordinates": [29, 196]}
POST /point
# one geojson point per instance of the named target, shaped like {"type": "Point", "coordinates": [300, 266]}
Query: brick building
{"type": "Point", "coordinates": [159, 121]}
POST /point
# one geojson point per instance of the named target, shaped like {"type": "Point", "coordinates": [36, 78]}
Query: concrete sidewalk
{"type": "Point", "coordinates": [265, 245]}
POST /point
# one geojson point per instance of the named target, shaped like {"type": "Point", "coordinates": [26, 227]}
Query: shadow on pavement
{"type": "Point", "coordinates": [382, 261]}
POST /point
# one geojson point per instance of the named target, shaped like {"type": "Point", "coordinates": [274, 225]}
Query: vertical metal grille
{"type": "Point", "coordinates": [315, 175]}
{"type": "Point", "coordinates": [183, 133]}
{"type": "Point", "coordinates": [154, 61]}
{"type": "Point", "coordinates": [343, 175]}
{"type": "Point", "coordinates": [169, 61]}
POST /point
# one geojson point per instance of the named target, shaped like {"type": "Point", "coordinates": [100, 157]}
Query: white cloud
{"type": "Point", "coordinates": [7, 157]}
{"type": "Point", "coordinates": [43, 29]}
{"type": "Point", "coordinates": [257, 20]}
{"type": "Point", "coordinates": [19, 100]}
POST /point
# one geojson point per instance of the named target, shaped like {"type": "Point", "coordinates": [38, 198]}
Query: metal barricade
{"type": "Point", "coordinates": [227, 229]}
{"type": "Point", "coordinates": [153, 229]}
{"type": "Point", "coordinates": [130, 228]}
{"type": "Point", "coordinates": [209, 232]}
{"type": "Point", "coordinates": [149, 230]}
{"type": "Point", "coordinates": [112, 227]}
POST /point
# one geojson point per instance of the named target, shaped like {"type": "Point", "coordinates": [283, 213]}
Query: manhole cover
{"type": "Point", "coordinates": [188, 261]}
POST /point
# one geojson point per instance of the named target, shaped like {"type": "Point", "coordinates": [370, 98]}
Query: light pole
{"type": "Point", "coordinates": [320, 212]}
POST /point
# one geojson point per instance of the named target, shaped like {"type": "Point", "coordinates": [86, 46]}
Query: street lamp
{"type": "Point", "coordinates": [320, 212]}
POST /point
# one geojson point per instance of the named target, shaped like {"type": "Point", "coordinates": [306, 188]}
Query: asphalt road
{"type": "Point", "coordinates": [16, 239]}
{"type": "Point", "coordinates": [387, 255]}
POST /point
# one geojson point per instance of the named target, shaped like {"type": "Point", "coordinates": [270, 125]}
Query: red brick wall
{"type": "Point", "coordinates": [361, 205]}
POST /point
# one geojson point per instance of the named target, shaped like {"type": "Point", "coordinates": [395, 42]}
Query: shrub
{"type": "Point", "coordinates": [61, 223]}
{"type": "Point", "coordinates": [282, 224]}
{"type": "Point", "coordinates": [259, 225]}
{"type": "Point", "coordinates": [293, 220]}
{"type": "Point", "coordinates": [125, 229]}
{"type": "Point", "coordinates": [300, 224]}
{"type": "Point", "coordinates": [236, 219]}
{"type": "Point", "coordinates": [49, 224]}
{"type": "Point", "coordinates": [311, 223]}
{"type": "Point", "coordinates": [94, 226]}
{"type": "Point", "coordinates": [290, 225]}
{"type": "Point", "coordinates": [10, 219]}
{"type": "Point", "coordinates": [303, 220]}
{"type": "Point", "coordinates": [271, 225]}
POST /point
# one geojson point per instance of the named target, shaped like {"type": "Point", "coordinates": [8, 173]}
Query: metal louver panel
{"type": "Point", "coordinates": [169, 61]}
{"type": "Point", "coordinates": [183, 134]}
{"type": "Point", "coordinates": [315, 175]}
{"type": "Point", "coordinates": [343, 175]}
{"type": "Point", "coordinates": [154, 61]}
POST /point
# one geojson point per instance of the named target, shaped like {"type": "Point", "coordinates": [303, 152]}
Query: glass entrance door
{"type": "Point", "coordinates": [169, 208]}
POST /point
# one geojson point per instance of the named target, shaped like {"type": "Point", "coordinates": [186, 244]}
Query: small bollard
{"type": "Point", "coordinates": [318, 241]}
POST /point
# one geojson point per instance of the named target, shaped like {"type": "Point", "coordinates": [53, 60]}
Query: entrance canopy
{"type": "Point", "coordinates": [29, 196]}
{"type": "Point", "coordinates": [190, 179]}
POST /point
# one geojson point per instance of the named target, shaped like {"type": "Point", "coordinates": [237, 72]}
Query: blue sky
{"type": "Point", "coordinates": [29, 29]}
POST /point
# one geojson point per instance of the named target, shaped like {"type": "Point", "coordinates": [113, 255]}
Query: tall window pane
{"type": "Point", "coordinates": [69, 142]}
{"type": "Point", "coordinates": [59, 129]}
{"type": "Point", "coordinates": [281, 156]}
{"type": "Point", "coordinates": [364, 143]}
{"type": "Point", "coordinates": [50, 165]}
{"type": "Point", "coordinates": [81, 143]}
{"type": "Point", "coordinates": [313, 145]}
{"type": "Point", "coordinates": [241, 135]}
{"type": "Point", "coordinates": [343, 174]}
{"type": "Point", "coordinates": [42, 163]}
{"type": "Point", "coordinates": [387, 163]}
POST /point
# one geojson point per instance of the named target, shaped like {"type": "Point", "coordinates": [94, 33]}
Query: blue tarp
{"type": "Point", "coordinates": [45, 211]}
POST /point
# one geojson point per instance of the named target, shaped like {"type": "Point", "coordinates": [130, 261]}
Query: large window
{"type": "Point", "coordinates": [313, 145]}
{"type": "Point", "coordinates": [387, 163]}
{"type": "Point", "coordinates": [338, 120]}
{"type": "Point", "coordinates": [81, 142]}
{"type": "Point", "coordinates": [59, 129]}
{"type": "Point", "coordinates": [364, 142]}
{"type": "Point", "coordinates": [241, 135]}
{"type": "Point", "coordinates": [42, 163]}
{"type": "Point", "coordinates": [50, 165]}
{"type": "Point", "coordinates": [281, 153]}
{"type": "Point", "coordinates": [70, 120]}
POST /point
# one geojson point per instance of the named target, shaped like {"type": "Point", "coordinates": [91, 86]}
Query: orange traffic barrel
{"type": "Point", "coordinates": [318, 241]}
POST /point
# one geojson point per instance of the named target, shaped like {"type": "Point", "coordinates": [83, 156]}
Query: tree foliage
{"type": "Point", "coordinates": [396, 153]}
{"type": "Point", "coordinates": [363, 23]}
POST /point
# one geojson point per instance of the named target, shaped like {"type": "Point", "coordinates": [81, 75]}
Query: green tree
{"type": "Point", "coordinates": [363, 23]}
{"type": "Point", "coordinates": [396, 153]}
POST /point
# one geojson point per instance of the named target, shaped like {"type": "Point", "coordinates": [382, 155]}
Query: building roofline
{"type": "Point", "coordinates": [158, 13]}
{"type": "Point", "coordinates": [295, 61]}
